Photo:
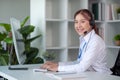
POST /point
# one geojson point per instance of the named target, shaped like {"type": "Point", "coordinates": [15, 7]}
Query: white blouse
{"type": "Point", "coordinates": [92, 58]}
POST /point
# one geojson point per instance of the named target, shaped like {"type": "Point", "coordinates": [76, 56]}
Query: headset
{"type": "Point", "coordinates": [92, 21]}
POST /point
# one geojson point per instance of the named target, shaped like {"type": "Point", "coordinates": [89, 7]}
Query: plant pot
{"type": "Point", "coordinates": [117, 42]}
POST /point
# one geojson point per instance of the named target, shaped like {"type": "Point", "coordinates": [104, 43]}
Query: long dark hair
{"type": "Point", "coordinates": [89, 16]}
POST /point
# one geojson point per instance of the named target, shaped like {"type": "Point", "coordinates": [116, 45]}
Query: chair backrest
{"type": "Point", "coordinates": [116, 68]}
{"type": "Point", "coordinates": [19, 46]}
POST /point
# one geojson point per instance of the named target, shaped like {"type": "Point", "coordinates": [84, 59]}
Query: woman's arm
{"type": "Point", "coordinates": [89, 57]}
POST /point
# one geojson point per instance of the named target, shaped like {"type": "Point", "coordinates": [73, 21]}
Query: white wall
{"type": "Point", "coordinates": [37, 15]}
{"type": "Point", "coordinates": [14, 8]}
{"type": "Point", "coordinates": [20, 9]}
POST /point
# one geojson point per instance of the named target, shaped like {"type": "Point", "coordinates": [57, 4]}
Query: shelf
{"type": "Point", "coordinates": [74, 47]}
{"type": "Point", "coordinates": [56, 34]}
{"type": "Point", "coordinates": [70, 20]}
{"type": "Point", "coordinates": [73, 54]}
{"type": "Point", "coordinates": [98, 21]}
{"type": "Point", "coordinates": [110, 31]}
{"type": "Point", "coordinates": [113, 21]}
{"type": "Point", "coordinates": [117, 47]}
{"type": "Point", "coordinates": [50, 20]}
{"type": "Point", "coordinates": [60, 48]}
{"type": "Point", "coordinates": [55, 9]}
{"type": "Point", "coordinates": [60, 54]}
{"type": "Point", "coordinates": [55, 48]}
{"type": "Point", "coordinates": [73, 37]}
{"type": "Point", "coordinates": [73, 6]}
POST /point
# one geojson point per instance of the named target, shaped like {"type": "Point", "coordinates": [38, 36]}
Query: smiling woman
{"type": "Point", "coordinates": [92, 53]}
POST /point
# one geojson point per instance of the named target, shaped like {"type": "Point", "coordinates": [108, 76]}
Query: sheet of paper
{"type": "Point", "coordinates": [39, 70]}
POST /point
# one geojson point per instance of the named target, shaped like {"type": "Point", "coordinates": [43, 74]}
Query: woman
{"type": "Point", "coordinates": [92, 47]}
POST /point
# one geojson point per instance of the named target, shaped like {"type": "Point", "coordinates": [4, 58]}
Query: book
{"type": "Point", "coordinates": [96, 8]}
{"type": "Point", "coordinates": [114, 12]}
{"type": "Point", "coordinates": [102, 11]}
{"type": "Point", "coordinates": [108, 12]}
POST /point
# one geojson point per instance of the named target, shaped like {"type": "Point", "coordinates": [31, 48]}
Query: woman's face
{"type": "Point", "coordinates": [81, 25]}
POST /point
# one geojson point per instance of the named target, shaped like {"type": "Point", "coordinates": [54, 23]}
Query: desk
{"type": "Point", "coordinates": [90, 76]}
{"type": "Point", "coordinates": [23, 74]}
{"type": "Point", "coordinates": [30, 75]}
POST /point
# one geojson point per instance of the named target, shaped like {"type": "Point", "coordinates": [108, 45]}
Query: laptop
{"type": "Point", "coordinates": [18, 45]}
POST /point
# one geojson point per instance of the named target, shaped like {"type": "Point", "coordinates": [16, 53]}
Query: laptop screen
{"type": "Point", "coordinates": [18, 45]}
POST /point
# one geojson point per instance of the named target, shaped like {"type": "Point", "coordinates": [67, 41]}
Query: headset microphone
{"type": "Point", "coordinates": [85, 32]}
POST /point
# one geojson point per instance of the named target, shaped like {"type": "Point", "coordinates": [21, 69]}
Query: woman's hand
{"type": "Point", "coordinates": [50, 66]}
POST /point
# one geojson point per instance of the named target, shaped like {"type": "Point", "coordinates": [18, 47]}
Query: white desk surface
{"type": "Point", "coordinates": [23, 74]}
{"type": "Point", "coordinates": [30, 75]}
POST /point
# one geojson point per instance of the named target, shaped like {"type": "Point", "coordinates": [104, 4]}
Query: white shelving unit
{"type": "Point", "coordinates": [110, 29]}
{"type": "Point", "coordinates": [55, 20]}
{"type": "Point", "coordinates": [61, 37]}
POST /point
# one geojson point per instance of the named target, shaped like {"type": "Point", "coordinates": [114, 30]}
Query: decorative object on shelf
{"type": "Point", "coordinates": [118, 12]}
{"type": "Point", "coordinates": [96, 10]}
{"type": "Point", "coordinates": [117, 39]}
{"type": "Point", "coordinates": [49, 56]}
{"type": "Point", "coordinates": [30, 52]}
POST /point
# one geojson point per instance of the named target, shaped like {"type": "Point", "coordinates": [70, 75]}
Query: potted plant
{"type": "Point", "coordinates": [118, 12]}
{"type": "Point", "coordinates": [117, 39]}
{"type": "Point", "coordinates": [5, 42]}
{"type": "Point", "coordinates": [30, 52]}
{"type": "Point", "coordinates": [6, 38]}
{"type": "Point", "coordinates": [49, 56]}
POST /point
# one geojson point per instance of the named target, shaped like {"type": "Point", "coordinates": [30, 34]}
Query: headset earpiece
{"type": "Point", "coordinates": [92, 23]}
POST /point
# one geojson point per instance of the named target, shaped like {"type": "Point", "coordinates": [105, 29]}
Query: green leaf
{"type": "Point", "coordinates": [49, 55]}
{"type": "Point", "coordinates": [4, 57]}
{"type": "Point", "coordinates": [1, 46]}
{"type": "Point", "coordinates": [6, 26]}
{"type": "Point", "coordinates": [38, 60]}
{"type": "Point", "coordinates": [118, 10]}
{"type": "Point", "coordinates": [26, 30]}
{"type": "Point", "coordinates": [117, 37]}
{"type": "Point", "coordinates": [8, 40]}
{"type": "Point", "coordinates": [31, 39]}
{"type": "Point", "coordinates": [2, 61]}
{"type": "Point", "coordinates": [24, 21]}
{"type": "Point", "coordinates": [3, 36]}
{"type": "Point", "coordinates": [3, 52]}
{"type": "Point", "coordinates": [31, 55]}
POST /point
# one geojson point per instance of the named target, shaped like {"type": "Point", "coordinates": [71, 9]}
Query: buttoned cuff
{"type": "Point", "coordinates": [61, 68]}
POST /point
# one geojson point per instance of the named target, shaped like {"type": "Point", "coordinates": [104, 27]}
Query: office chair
{"type": "Point", "coordinates": [116, 68]}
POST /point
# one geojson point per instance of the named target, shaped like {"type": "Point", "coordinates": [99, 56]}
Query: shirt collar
{"type": "Point", "coordinates": [87, 36]}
